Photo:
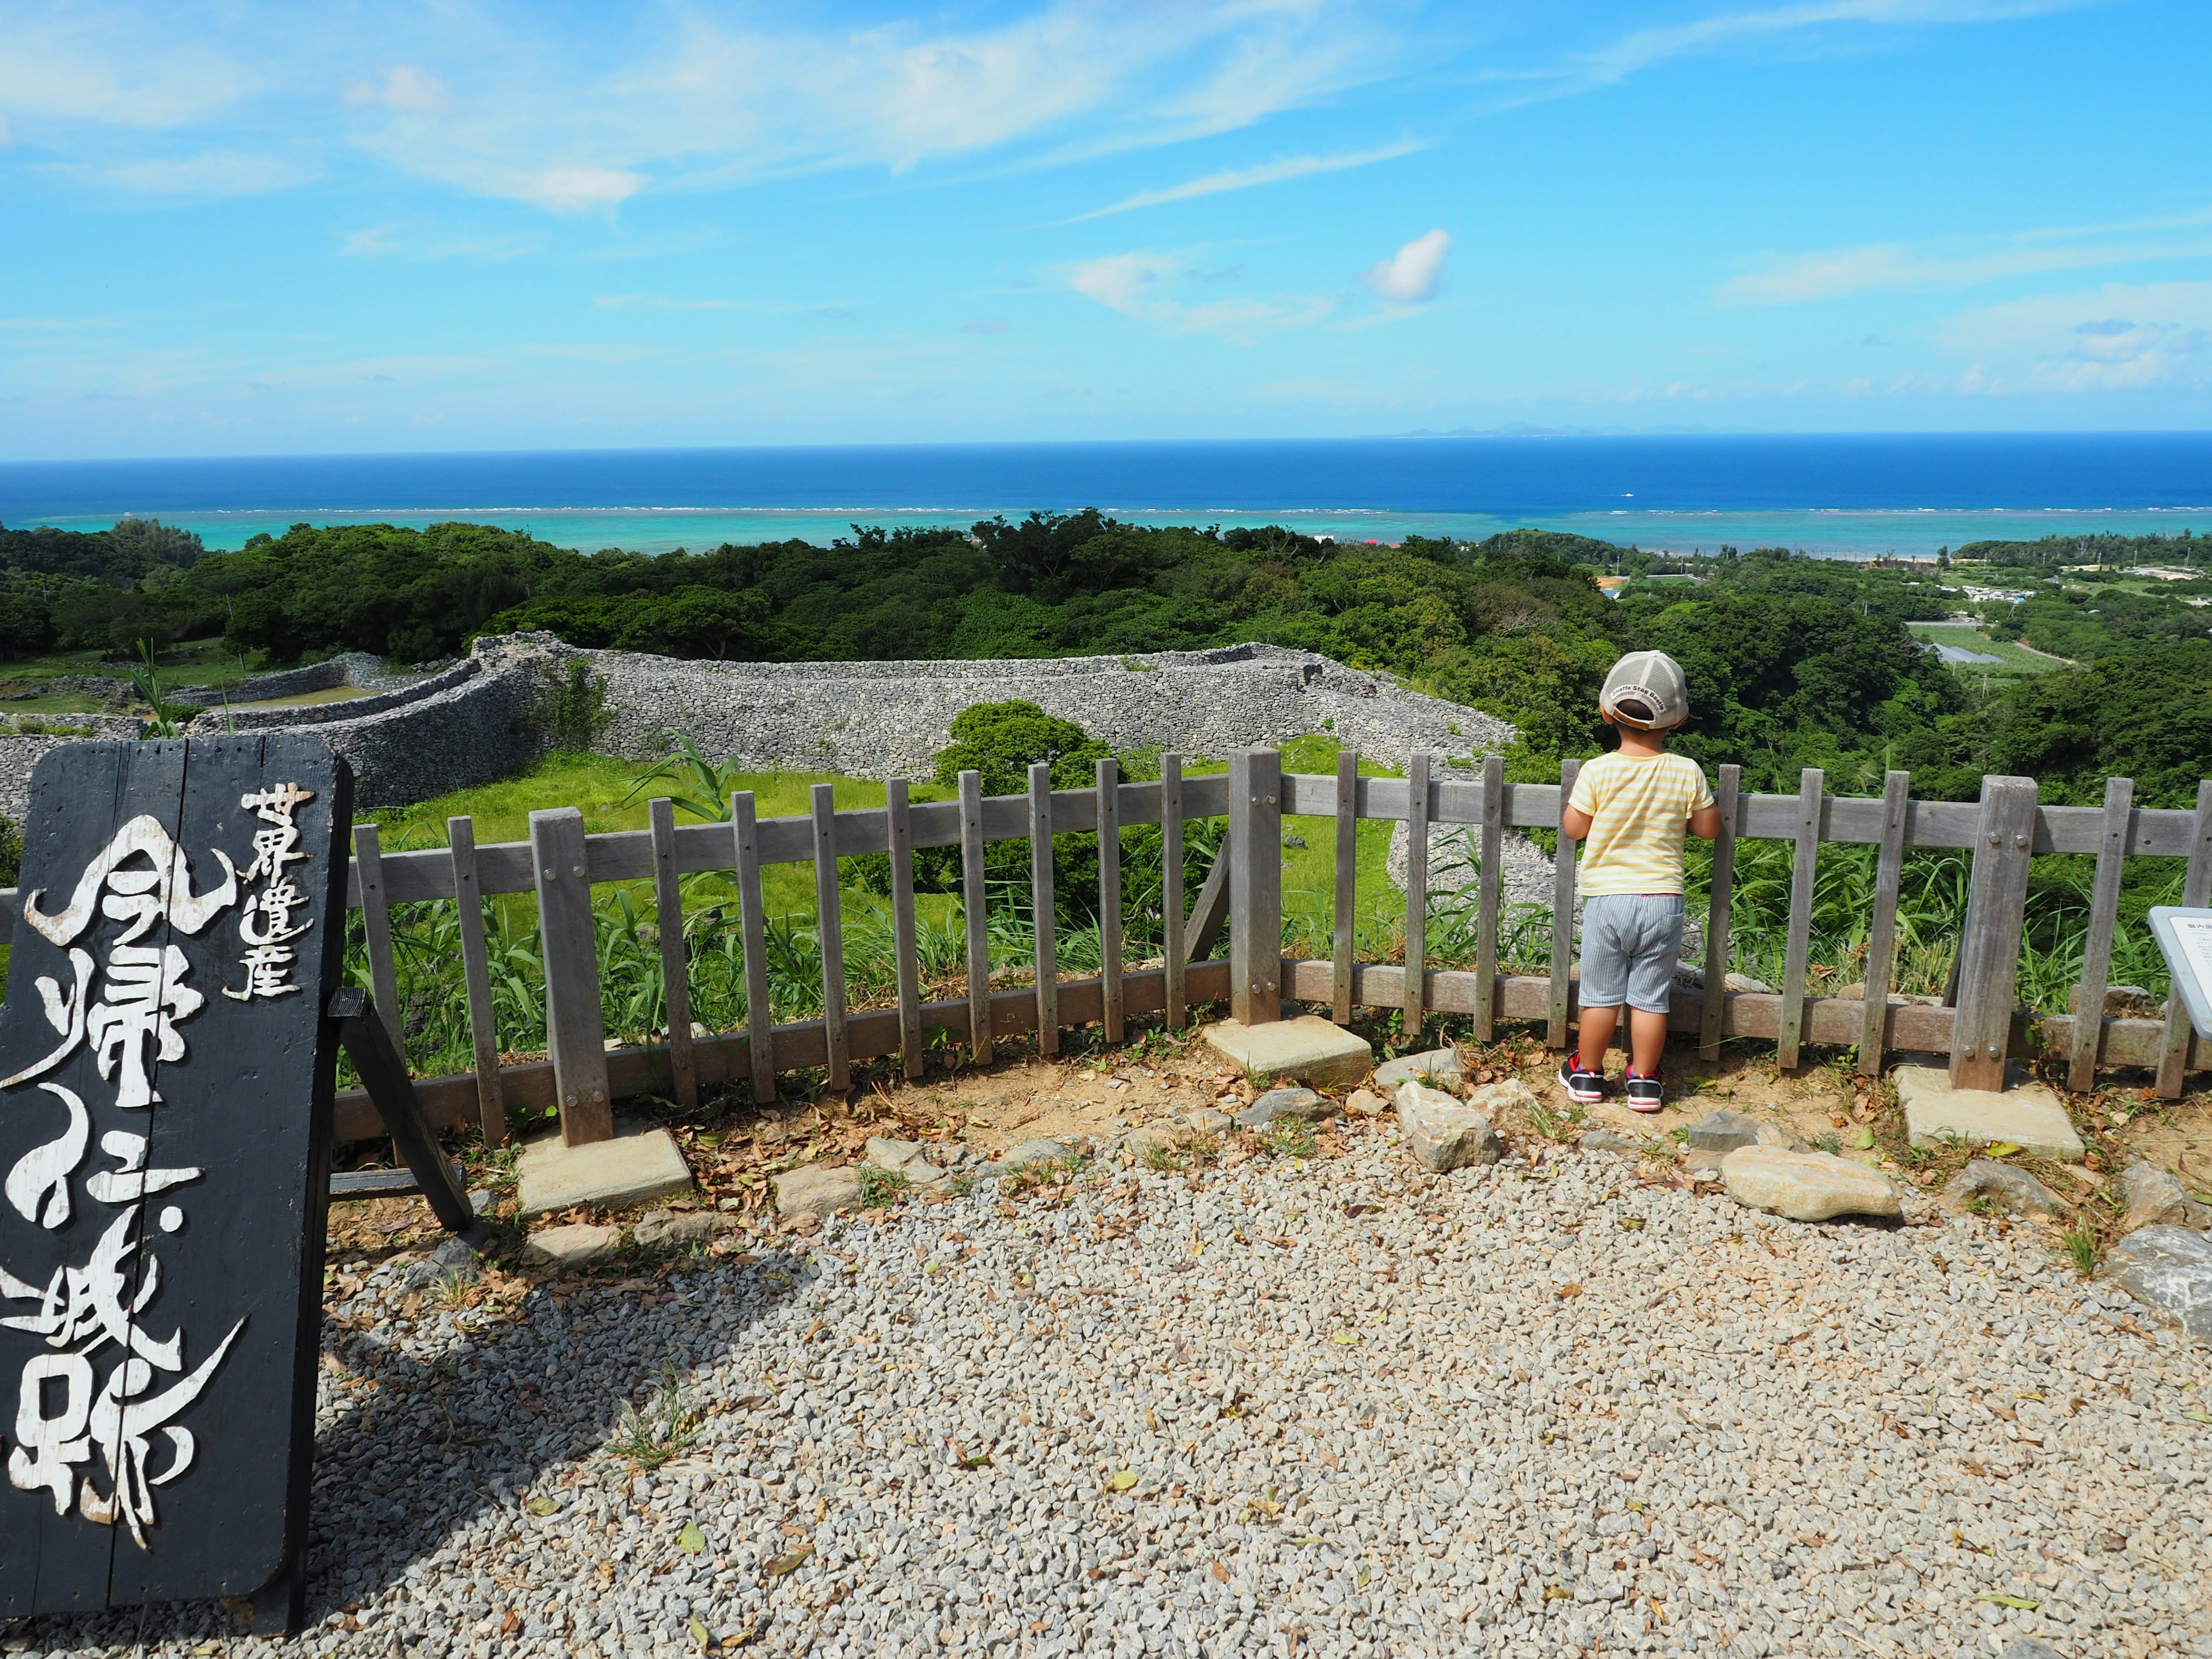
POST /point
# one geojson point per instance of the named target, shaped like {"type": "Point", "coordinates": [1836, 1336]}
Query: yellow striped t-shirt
{"type": "Point", "coordinates": [1639, 807]}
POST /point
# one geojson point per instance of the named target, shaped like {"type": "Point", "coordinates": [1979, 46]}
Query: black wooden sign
{"type": "Point", "coordinates": [166, 1078]}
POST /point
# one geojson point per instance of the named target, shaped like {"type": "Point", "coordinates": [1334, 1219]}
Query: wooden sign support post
{"type": "Point", "coordinates": [166, 1079]}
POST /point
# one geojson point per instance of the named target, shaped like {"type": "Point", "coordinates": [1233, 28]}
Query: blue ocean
{"type": "Point", "coordinates": [1845, 496]}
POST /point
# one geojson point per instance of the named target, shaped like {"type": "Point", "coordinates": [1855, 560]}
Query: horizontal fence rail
{"type": "Point", "coordinates": [1240, 908]}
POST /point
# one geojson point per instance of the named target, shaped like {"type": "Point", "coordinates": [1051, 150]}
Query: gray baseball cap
{"type": "Point", "coordinates": [1646, 689]}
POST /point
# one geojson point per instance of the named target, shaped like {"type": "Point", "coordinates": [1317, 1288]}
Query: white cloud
{"type": "Point", "coordinates": [1839, 272]}
{"type": "Point", "coordinates": [210, 175]}
{"type": "Point", "coordinates": [574, 190]}
{"type": "Point", "coordinates": [1412, 274]}
{"type": "Point", "coordinates": [1139, 285]}
{"type": "Point", "coordinates": [416, 91]}
{"type": "Point", "coordinates": [2117, 337]}
{"type": "Point", "coordinates": [656, 302]}
{"type": "Point", "coordinates": [1273, 173]}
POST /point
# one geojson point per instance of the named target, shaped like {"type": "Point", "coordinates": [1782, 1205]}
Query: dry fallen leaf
{"type": "Point", "coordinates": [1124, 1480]}
{"type": "Point", "coordinates": [691, 1541]}
{"type": "Point", "coordinates": [1220, 1573]}
{"type": "Point", "coordinates": [791, 1563]}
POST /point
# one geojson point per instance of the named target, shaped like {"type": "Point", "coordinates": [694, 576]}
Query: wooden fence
{"type": "Point", "coordinates": [1243, 903]}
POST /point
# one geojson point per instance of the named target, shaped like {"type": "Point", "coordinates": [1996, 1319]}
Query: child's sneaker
{"type": "Point", "coordinates": [1584, 1088]}
{"type": "Point", "coordinates": [1645, 1094]}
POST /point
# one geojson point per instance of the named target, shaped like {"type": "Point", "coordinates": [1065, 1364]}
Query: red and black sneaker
{"type": "Point", "coordinates": [1645, 1094]}
{"type": "Point", "coordinates": [1584, 1088]}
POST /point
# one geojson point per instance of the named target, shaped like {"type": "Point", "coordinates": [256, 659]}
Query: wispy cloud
{"type": "Point", "coordinates": [1272, 173]}
{"type": "Point", "coordinates": [1839, 272]}
{"type": "Point", "coordinates": [404, 87]}
{"type": "Point", "coordinates": [1142, 285]}
{"type": "Point", "coordinates": [656, 302]}
{"type": "Point", "coordinates": [984, 325]}
{"type": "Point", "coordinates": [206, 176]}
{"type": "Point", "coordinates": [2115, 337]}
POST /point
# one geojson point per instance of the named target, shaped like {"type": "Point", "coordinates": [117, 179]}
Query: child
{"type": "Point", "coordinates": [1632, 806]}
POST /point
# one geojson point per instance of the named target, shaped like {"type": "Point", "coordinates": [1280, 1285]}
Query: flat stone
{"type": "Point", "coordinates": [1495, 1098]}
{"type": "Point", "coordinates": [1138, 1144]}
{"type": "Point", "coordinates": [2168, 1270]}
{"type": "Point", "coordinates": [1208, 1119]}
{"type": "Point", "coordinates": [2155, 1197]}
{"type": "Point", "coordinates": [1443, 1131]}
{"type": "Point", "coordinates": [660, 1230]}
{"type": "Point", "coordinates": [1440, 1068]}
{"type": "Point", "coordinates": [2027, 1647]}
{"type": "Point", "coordinates": [1805, 1186]}
{"type": "Point", "coordinates": [888, 1154]}
{"type": "Point", "coordinates": [2028, 1116]}
{"type": "Point", "coordinates": [1303, 1105]}
{"type": "Point", "coordinates": [1604, 1140]}
{"type": "Point", "coordinates": [1034, 1152]}
{"type": "Point", "coordinates": [1308, 1049]}
{"type": "Point", "coordinates": [1723, 1131]}
{"type": "Point", "coordinates": [1365, 1102]}
{"type": "Point", "coordinates": [2003, 1186]}
{"type": "Point", "coordinates": [571, 1246]}
{"type": "Point", "coordinates": [638, 1165]}
{"type": "Point", "coordinates": [818, 1190]}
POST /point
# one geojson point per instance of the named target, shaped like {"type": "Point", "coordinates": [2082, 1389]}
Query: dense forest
{"type": "Point", "coordinates": [1792, 661]}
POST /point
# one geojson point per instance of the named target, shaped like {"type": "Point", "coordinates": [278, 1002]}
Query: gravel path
{"type": "Point", "coordinates": [1340, 1407]}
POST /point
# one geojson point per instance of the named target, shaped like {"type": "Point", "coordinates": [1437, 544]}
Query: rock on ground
{"type": "Point", "coordinates": [1441, 1132]}
{"type": "Point", "coordinates": [1034, 1152]}
{"type": "Point", "coordinates": [1365, 1102]}
{"type": "Point", "coordinates": [1805, 1186]}
{"type": "Point", "coordinates": [2155, 1197]}
{"type": "Point", "coordinates": [677, 1230]}
{"type": "Point", "coordinates": [2169, 1270]}
{"type": "Point", "coordinates": [1440, 1068]}
{"type": "Point", "coordinates": [2003, 1186]}
{"type": "Point", "coordinates": [1723, 1131]}
{"type": "Point", "coordinates": [1302, 1104]}
{"type": "Point", "coordinates": [817, 1189]}
{"type": "Point", "coordinates": [573, 1245]}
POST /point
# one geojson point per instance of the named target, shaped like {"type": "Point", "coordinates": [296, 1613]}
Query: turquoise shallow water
{"type": "Point", "coordinates": [1852, 495]}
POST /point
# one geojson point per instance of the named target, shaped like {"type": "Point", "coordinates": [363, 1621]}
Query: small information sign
{"type": "Point", "coordinates": [2184, 935]}
{"type": "Point", "coordinates": [166, 1079]}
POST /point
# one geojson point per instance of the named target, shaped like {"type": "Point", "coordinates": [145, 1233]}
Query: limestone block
{"type": "Point", "coordinates": [1308, 1049]}
{"type": "Point", "coordinates": [1303, 1105]}
{"type": "Point", "coordinates": [1805, 1186]}
{"type": "Point", "coordinates": [1443, 1132]}
{"type": "Point", "coordinates": [2029, 1116]}
{"type": "Point", "coordinates": [2169, 1270]}
{"type": "Point", "coordinates": [817, 1190]}
{"type": "Point", "coordinates": [1723, 1131]}
{"type": "Point", "coordinates": [1440, 1068]}
{"type": "Point", "coordinates": [2000, 1184]}
{"type": "Point", "coordinates": [639, 1165]}
{"type": "Point", "coordinates": [571, 1246]}
{"type": "Point", "coordinates": [2155, 1197]}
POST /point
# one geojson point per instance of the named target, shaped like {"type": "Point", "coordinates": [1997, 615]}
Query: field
{"type": "Point", "coordinates": [194, 662]}
{"type": "Point", "coordinates": [2012, 661]}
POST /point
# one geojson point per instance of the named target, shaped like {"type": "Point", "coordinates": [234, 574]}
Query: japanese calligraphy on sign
{"type": "Point", "coordinates": [120, 1104]}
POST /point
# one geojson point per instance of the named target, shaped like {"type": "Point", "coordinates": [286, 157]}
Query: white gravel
{"type": "Point", "coordinates": [1346, 1408]}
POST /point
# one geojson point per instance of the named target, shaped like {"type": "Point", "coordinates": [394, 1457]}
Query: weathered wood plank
{"type": "Point", "coordinates": [1804, 865]}
{"type": "Point", "coordinates": [1346, 911]}
{"type": "Point", "coordinates": [1989, 954]}
{"type": "Point", "coordinates": [1417, 889]}
{"type": "Point", "coordinates": [1882, 936]}
{"type": "Point", "coordinates": [2097, 944]}
{"type": "Point", "coordinates": [1721, 899]}
{"type": "Point", "coordinates": [1255, 886]}
{"type": "Point", "coordinates": [1209, 913]}
{"type": "Point", "coordinates": [975, 896]}
{"type": "Point", "coordinates": [1173, 942]}
{"type": "Point", "coordinates": [1041, 825]}
{"type": "Point", "coordinates": [383, 1073]}
{"type": "Point", "coordinates": [752, 928]}
{"type": "Point", "coordinates": [829, 928]}
{"type": "Point", "coordinates": [675, 967]}
{"type": "Point", "coordinates": [1563, 911]}
{"type": "Point", "coordinates": [906, 956]}
{"type": "Point", "coordinates": [376, 928]}
{"type": "Point", "coordinates": [475, 977]}
{"type": "Point", "coordinates": [1109, 894]}
{"type": "Point", "coordinates": [1489, 897]}
{"type": "Point", "coordinates": [575, 1031]}
{"type": "Point", "coordinates": [2196, 892]}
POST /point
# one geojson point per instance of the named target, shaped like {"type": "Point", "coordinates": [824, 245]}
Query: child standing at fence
{"type": "Point", "coordinates": [1630, 808]}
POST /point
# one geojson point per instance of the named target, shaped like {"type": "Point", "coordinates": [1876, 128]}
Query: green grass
{"type": "Point", "coordinates": [190, 662]}
{"type": "Point", "coordinates": [2012, 661]}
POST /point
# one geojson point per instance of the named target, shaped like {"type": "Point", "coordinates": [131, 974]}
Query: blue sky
{"type": "Point", "coordinates": [240, 228]}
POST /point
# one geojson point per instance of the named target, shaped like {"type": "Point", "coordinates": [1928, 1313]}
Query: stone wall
{"type": "Point", "coordinates": [354, 668]}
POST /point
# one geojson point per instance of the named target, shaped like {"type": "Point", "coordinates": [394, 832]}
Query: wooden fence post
{"type": "Point", "coordinates": [476, 975]}
{"type": "Point", "coordinates": [1881, 939]}
{"type": "Point", "coordinates": [2097, 947]}
{"type": "Point", "coordinates": [2196, 893]}
{"type": "Point", "coordinates": [1488, 894]}
{"type": "Point", "coordinates": [906, 957]}
{"type": "Point", "coordinates": [752, 930]}
{"type": "Point", "coordinates": [1417, 893]}
{"type": "Point", "coordinates": [1042, 903]}
{"type": "Point", "coordinates": [1996, 910]}
{"type": "Point", "coordinates": [1172, 940]}
{"type": "Point", "coordinates": [1108, 777]}
{"type": "Point", "coordinates": [1804, 868]}
{"type": "Point", "coordinates": [1563, 916]}
{"type": "Point", "coordinates": [974, 896]}
{"type": "Point", "coordinates": [830, 930]}
{"type": "Point", "coordinates": [676, 985]}
{"type": "Point", "coordinates": [1255, 886]}
{"type": "Point", "coordinates": [1720, 901]}
{"type": "Point", "coordinates": [376, 930]}
{"type": "Point", "coordinates": [575, 1029]}
{"type": "Point", "coordinates": [1347, 884]}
